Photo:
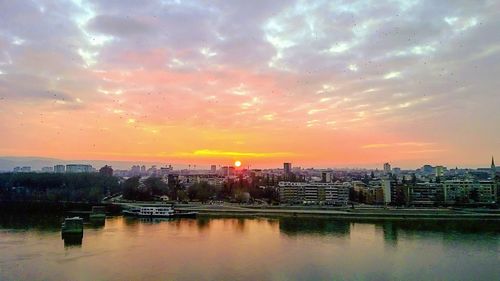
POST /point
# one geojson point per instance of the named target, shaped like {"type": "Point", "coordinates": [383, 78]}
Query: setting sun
{"type": "Point", "coordinates": [237, 163]}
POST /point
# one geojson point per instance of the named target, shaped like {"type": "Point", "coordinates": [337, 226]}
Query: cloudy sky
{"type": "Point", "coordinates": [317, 83]}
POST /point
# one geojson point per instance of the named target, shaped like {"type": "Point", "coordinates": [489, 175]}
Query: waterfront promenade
{"type": "Point", "coordinates": [363, 213]}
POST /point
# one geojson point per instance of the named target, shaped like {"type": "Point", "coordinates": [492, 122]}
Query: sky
{"type": "Point", "coordinates": [315, 83]}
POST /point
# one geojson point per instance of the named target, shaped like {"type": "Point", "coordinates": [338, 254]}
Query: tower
{"type": "Point", "coordinates": [287, 170]}
{"type": "Point", "coordinates": [493, 168]}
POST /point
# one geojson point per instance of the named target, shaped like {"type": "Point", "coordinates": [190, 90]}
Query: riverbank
{"type": "Point", "coordinates": [367, 214]}
{"type": "Point", "coordinates": [54, 207]}
{"type": "Point", "coordinates": [364, 213]}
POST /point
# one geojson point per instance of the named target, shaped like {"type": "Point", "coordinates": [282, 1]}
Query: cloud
{"type": "Point", "coordinates": [404, 144]}
{"type": "Point", "coordinates": [392, 69]}
{"type": "Point", "coordinates": [226, 154]}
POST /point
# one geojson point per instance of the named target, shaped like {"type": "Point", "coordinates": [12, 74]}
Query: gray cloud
{"type": "Point", "coordinates": [440, 58]}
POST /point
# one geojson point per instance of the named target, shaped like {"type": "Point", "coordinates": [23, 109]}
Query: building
{"type": "Point", "coordinates": [287, 170]}
{"type": "Point", "coordinates": [227, 171]}
{"type": "Point", "coordinates": [24, 169]}
{"type": "Point", "coordinates": [47, 169]}
{"type": "Point", "coordinates": [439, 171]}
{"type": "Point", "coordinates": [136, 170]}
{"type": "Point", "coordinates": [337, 193]}
{"type": "Point", "coordinates": [387, 168]}
{"type": "Point", "coordinates": [213, 169]}
{"type": "Point", "coordinates": [326, 177]}
{"type": "Point", "coordinates": [469, 191]}
{"type": "Point", "coordinates": [164, 171]}
{"type": "Point", "coordinates": [59, 169]}
{"type": "Point", "coordinates": [314, 193]}
{"type": "Point", "coordinates": [387, 190]}
{"type": "Point", "coordinates": [79, 168]}
{"type": "Point", "coordinates": [425, 193]}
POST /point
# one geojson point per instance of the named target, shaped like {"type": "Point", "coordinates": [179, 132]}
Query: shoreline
{"type": "Point", "coordinates": [434, 215]}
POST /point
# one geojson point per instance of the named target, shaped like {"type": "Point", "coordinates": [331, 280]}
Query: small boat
{"type": "Point", "coordinates": [157, 212]}
{"type": "Point", "coordinates": [72, 225]}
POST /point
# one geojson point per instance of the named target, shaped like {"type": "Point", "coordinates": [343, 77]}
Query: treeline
{"type": "Point", "coordinates": [237, 190]}
{"type": "Point", "coordinates": [70, 187]}
{"type": "Point", "coordinates": [93, 187]}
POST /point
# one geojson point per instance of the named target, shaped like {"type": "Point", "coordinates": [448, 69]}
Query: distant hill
{"type": "Point", "coordinates": [7, 163]}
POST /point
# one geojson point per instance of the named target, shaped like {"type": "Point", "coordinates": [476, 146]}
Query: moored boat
{"type": "Point", "coordinates": [72, 225]}
{"type": "Point", "coordinates": [157, 212]}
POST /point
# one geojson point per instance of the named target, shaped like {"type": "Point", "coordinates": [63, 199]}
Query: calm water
{"type": "Point", "coordinates": [31, 248]}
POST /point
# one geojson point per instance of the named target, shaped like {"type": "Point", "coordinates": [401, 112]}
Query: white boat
{"type": "Point", "coordinates": [156, 212]}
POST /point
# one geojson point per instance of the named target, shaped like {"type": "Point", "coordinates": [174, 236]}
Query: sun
{"type": "Point", "coordinates": [237, 163]}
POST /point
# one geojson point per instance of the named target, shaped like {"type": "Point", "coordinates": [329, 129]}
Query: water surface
{"type": "Point", "coordinates": [31, 248]}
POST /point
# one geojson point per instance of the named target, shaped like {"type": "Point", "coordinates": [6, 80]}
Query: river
{"type": "Point", "coordinates": [212, 248]}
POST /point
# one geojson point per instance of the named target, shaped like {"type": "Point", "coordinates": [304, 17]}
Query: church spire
{"type": "Point", "coordinates": [493, 168]}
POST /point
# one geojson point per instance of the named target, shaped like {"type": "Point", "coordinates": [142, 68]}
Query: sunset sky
{"type": "Point", "coordinates": [315, 83]}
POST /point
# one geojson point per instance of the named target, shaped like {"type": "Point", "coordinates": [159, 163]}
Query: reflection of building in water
{"type": "Point", "coordinates": [390, 233]}
{"type": "Point", "coordinates": [304, 226]}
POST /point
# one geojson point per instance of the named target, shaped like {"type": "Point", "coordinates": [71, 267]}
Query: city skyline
{"type": "Point", "coordinates": [320, 84]}
{"type": "Point", "coordinates": [38, 163]}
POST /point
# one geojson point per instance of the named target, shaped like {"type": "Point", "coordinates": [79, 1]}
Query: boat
{"type": "Point", "coordinates": [72, 225]}
{"type": "Point", "coordinates": [157, 212]}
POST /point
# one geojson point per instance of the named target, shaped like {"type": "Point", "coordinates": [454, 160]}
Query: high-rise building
{"type": "Point", "coordinates": [213, 169]}
{"type": "Point", "coordinates": [47, 169]}
{"type": "Point", "coordinates": [387, 168]}
{"type": "Point", "coordinates": [59, 168]}
{"type": "Point", "coordinates": [25, 169]}
{"type": "Point", "coordinates": [79, 168]}
{"type": "Point", "coordinates": [287, 170]}
{"type": "Point", "coordinates": [387, 190]}
{"type": "Point", "coordinates": [440, 171]}
{"type": "Point", "coordinates": [314, 192]}
{"type": "Point", "coordinates": [136, 170]}
{"type": "Point", "coordinates": [462, 191]}
{"type": "Point", "coordinates": [326, 177]}
{"type": "Point", "coordinates": [227, 171]}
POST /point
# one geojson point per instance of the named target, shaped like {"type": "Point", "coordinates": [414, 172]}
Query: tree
{"type": "Point", "coordinates": [57, 187]}
{"type": "Point", "coordinates": [353, 195]}
{"type": "Point", "coordinates": [241, 196]}
{"type": "Point", "coordinates": [106, 170]}
{"type": "Point", "coordinates": [182, 195]}
{"type": "Point", "coordinates": [361, 197]}
{"type": "Point", "coordinates": [201, 191]}
{"type": "Point", "coordinates": [157, 185]}
{"type": "Point", "coordinates": [474, 195]}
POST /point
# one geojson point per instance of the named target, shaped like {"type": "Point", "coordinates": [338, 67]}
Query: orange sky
{"type": "Point", "coordinates": [313, 84]}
